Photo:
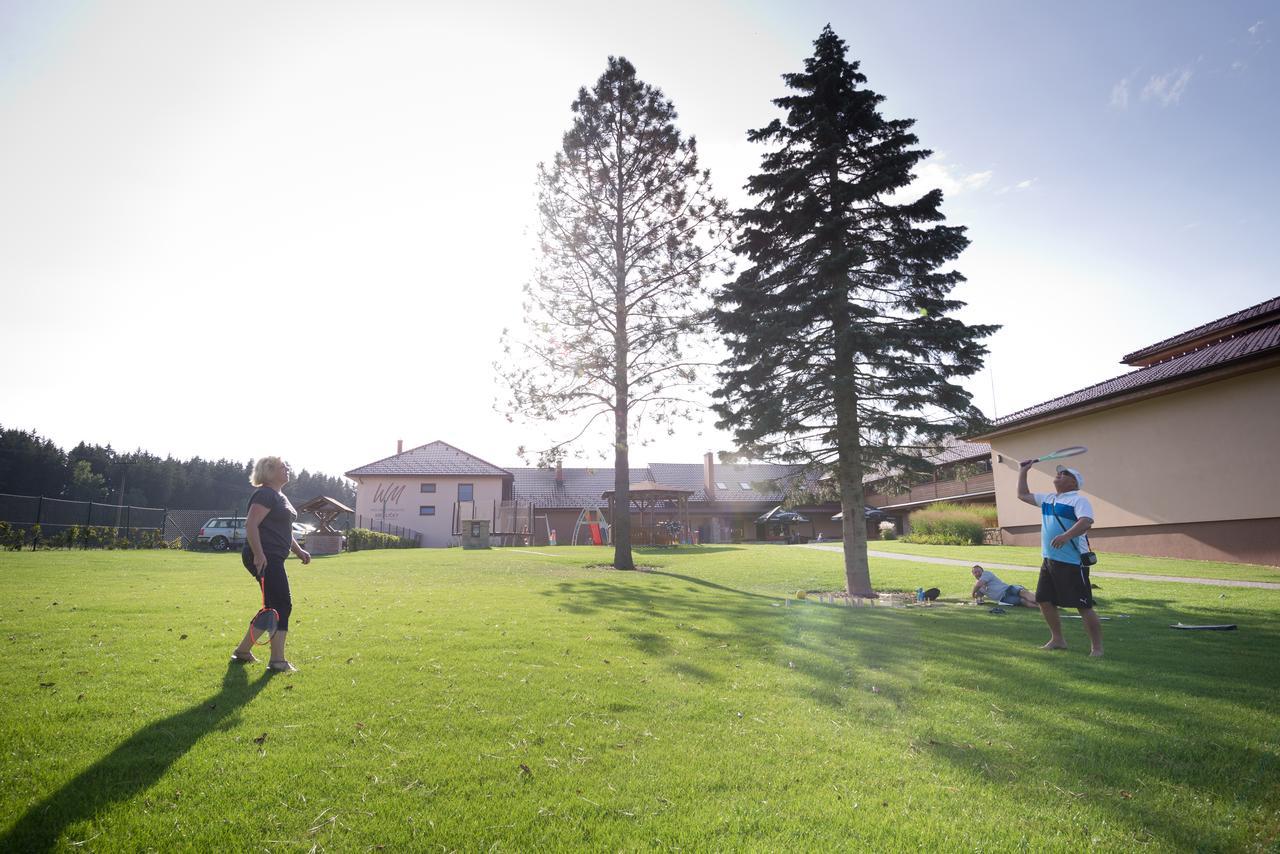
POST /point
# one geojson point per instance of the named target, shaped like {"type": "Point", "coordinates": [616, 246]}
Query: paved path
{"type": "Point", "coordinates": [1136, 576]}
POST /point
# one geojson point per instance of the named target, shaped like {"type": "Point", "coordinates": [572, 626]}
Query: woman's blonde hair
{"type": "Point", "coordinates": [264, 468]}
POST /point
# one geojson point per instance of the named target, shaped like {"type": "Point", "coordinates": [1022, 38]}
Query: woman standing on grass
{"type": "Point", "coordinates": [270, 533]}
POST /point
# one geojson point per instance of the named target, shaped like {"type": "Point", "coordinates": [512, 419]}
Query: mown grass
{"type": "Point", "coordinates": [1107, 561]}
{"type": "Point", "coordinates": [521, 699]}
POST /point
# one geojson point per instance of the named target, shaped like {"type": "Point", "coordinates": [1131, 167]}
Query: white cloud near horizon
{"type": "Point", "coordinates": [1167, 88]}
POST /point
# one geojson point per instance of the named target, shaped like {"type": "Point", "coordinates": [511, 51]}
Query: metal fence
{"type": "Point", "coordinates": [187, 523]}
{"type": "Point", "coordinates": [58, 514]}
{"type": "Point", "coordinates": [55, 516]}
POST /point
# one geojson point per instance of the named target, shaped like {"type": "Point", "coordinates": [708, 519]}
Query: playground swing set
{"type": "Point", "coordinates": [596, 527]}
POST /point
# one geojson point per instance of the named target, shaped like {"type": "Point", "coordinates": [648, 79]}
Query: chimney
{"type": "Point", "coordinates": [399, 446]}
{"type": "Point", "coordinates": [709, 475]}
{"type": "Point", "coordinates": [559, 474]}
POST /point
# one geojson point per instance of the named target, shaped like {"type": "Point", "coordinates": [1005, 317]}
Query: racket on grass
{"type": "Point", "coordinates": [264, 623]}
{"type": "Point", "coordinates": [1060, 454]}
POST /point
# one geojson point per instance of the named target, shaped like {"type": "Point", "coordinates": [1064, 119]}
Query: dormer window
{"type": "Point", "coordinates": [721, 485]}
{"type": "Point", "coordinates": [745, 485]}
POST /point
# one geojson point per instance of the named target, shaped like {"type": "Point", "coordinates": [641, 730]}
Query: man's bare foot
{"type": "Point", "coordinates": [1054, 645]}
{"type": "Point", "coordinates": [1097, 653]}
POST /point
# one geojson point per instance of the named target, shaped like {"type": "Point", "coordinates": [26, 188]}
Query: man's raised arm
{"type": "Point", "coordinates": [1024, 492]}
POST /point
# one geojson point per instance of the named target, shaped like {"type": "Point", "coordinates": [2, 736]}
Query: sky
{"type": "Point", "coordinates": [246, 228]}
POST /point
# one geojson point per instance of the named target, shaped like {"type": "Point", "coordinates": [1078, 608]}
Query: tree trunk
{"type": "Point", "coordinates": [622, 392]}
{"type": "Point", "coordinates": [621, 493]}
{"type": "Point", "coordinates": [857, 572]}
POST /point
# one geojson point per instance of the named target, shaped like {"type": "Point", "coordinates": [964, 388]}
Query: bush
{"type": "Point", "coordinates": [63, 539]}
{"type": "Point", "coordinates": [888, 530]}
{"type": "Point", "coordinates": [946, 525]}
{"type": "Point", "coordinates": [12, 537]}
{"type": "Point", "coordinates": [986, 512]}
{"type": "Point", "coordinates": [362, 538]}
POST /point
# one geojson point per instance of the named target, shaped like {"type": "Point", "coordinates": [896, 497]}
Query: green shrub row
{"type": "Point", "coordinates": [15, 537]}
{"type": "Point", "coordinates": [359, 539]}
{"type": "Point", "coordinates": [950, 525]}
{"type": "Point", "coordinates": [986, 513]}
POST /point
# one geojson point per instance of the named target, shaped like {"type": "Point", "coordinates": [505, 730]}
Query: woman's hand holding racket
{"type": "Point", "coordinates": [260, 563]}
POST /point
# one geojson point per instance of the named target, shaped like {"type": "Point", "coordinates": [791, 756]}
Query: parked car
{"type": "Point", "coordinates": [300, 531]}
{"type": "Point", "coordinates": [223, 532]}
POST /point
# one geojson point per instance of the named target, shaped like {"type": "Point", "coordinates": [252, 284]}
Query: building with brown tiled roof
{"type": "Point", "coordinates": [961, 475]}
{"type": "Point", "coordinates": [432, 489]}
{"type": "Point", "coordinates": [1182, 457]}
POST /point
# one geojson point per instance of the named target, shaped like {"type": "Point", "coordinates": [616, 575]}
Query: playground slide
{"type": "Point", "coordinates": [595, 534]}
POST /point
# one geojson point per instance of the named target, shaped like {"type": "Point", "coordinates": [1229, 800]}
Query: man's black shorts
{"type": "Point", "coordinates": [1064, 584]}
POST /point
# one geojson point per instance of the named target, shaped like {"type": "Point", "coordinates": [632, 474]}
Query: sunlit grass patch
{"type": "Point", "coordinates": [521, 699]}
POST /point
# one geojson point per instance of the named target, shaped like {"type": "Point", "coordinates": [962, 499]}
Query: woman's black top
{"type": "Point", "coordinates": [276, 530]}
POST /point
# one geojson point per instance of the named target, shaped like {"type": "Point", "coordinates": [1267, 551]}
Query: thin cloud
{"type": "Point", "coordinates": [1256, 29]}
{"type": "Point", "coordinates": [937, 173]}
{"type": "Point", "coordinates": [1120, 94]}
{"type": "Point", "coordinates": [1167, 89]}
{"type": "Point", "coordinates": [1018, 187]}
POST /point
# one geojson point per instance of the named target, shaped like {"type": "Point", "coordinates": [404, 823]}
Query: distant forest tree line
{"type": "Point", "coordinates": [33, 465]}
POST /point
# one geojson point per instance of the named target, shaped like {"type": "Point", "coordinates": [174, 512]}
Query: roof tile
{"type": "Point", "coordinates": [433, 458]}
{"type": "Point", "coordinates": [1222, 324]}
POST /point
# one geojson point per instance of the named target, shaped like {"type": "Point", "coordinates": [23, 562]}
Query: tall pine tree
{"type": "Point", "coordinates": [629, 229]}
{"type": "Point", "coordinates": [841, 348]}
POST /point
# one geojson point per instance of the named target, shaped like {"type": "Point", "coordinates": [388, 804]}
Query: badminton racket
{"type": "Point", "coordinates": [1060, 454]}
{"type": "Point", "coordinates": [264, 623]}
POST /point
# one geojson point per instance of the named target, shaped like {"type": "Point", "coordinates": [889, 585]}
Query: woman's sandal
{"type": "Point", "coordinates": [282, 667]}
{"type": "Point", "coordinates": [248, 658]}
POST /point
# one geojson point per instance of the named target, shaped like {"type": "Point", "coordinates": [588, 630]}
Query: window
{"type": "Point", "coordinates": [427, 510]}
{"type": "Point", "coordinates": [466, 492]}
{"type": "Point", "coordinates": [427, 487]}
{"type": "Point", "coordinates": [721, 485]}
{"type": "Point", "coordinates": [745, 485]}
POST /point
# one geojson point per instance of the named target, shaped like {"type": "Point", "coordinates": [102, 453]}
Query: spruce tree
{"type": "Point", "coordinates": [629, 229]}
{"type": "Point", "coordinates": [841, 340]}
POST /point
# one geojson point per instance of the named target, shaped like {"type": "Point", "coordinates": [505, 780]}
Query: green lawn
{"type": "Point", "coordinates": [1107, 561]}
{"type": "Point", "coordinates": [508, 700]}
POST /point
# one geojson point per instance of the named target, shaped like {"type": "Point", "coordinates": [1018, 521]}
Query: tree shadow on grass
{"type": "Point", "coordinates": [683, 550]}
{"type": "Point", "coordinates": [1166, 710]}
{"type": "Point", "coordinates": [1167, 720]}
{"type": "Point", "coordinates": [133, 766]}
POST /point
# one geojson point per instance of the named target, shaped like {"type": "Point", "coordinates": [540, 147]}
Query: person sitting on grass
{"type": "Point", "coordinates": [987, 585]}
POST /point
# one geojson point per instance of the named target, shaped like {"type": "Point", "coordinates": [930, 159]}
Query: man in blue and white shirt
{"type": "Point", "coordinates": [1064, 581]}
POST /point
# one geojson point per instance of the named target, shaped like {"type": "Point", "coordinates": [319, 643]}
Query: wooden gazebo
{"type": "Point", "coordinates": [654, 502]}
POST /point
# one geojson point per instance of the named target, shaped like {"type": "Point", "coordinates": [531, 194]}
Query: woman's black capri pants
{"type": "Point", "coordinates": [276, 590]}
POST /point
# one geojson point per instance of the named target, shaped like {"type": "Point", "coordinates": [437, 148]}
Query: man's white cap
{"type": "Point", "coordinates": [1074, 473]}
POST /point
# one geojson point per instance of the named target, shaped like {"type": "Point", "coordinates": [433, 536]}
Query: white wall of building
{"type": "Point", "coordinates": [399, 501]}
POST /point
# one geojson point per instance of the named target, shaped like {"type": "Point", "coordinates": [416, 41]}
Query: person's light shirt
{"type": "Point", "coordinates": [1058, 512]}
{"type": "Point", "coordinates": [993, 587]}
